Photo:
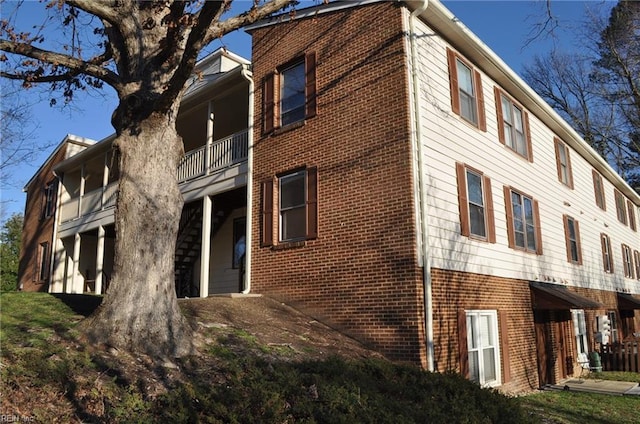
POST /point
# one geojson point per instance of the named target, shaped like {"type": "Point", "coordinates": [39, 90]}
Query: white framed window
{"type": "Point", "coordinates": [292, 189]}
{"type": "Point", "coordinates": [483, 347]}
{"type": "Point", "coordinates": [613, 322]}
{"type": "Point", "coordinates": [580, 330]}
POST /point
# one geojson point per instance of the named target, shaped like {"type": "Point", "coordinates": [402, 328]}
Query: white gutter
{"type": "Point", "coordinates": [247, 255]}
{"type": "Point", "coordinates": [423, 242]}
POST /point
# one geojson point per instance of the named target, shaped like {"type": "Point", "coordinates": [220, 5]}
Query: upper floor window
{"type": "Point", "coordinates": [627, 261]}
{"type": "Point", "coordinates": [563, 163]}
{"type": "Point", "coordinates": [296, 207]}
{"type": "Point", "coordinates": [513, 125]}
{"type": "Point", "coordinates": [523, 221]}
{"type": "Point", "coordinates": [467, 99]}
{"type": "Point", "coordinates": [476, 205]}
{"type": "Point", "coordinates": [572, 238]}
{"type": "Point", "coordinates": [607, 258]}
{"type": "Point", "coordinates": [289, 94]}
{"type": "Point", "coordinates": [49, 199]}
{"type": "Point", "coordinates": [632, 215]}
{"type": "Point", "coordinates": [620, 207]}
{"type": "Point", "coordinates": [598, 189]}
{"type": "Point", "coordinates": [636, 257]}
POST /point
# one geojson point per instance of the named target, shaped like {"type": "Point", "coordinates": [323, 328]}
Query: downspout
{"type": "Point", "coordinates": [249, 226]}
{"type": "Point", "coordinates": [426, 259]}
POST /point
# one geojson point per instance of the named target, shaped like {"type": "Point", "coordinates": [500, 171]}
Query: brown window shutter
{"type": "Point", "coordinates": [463, 350]}
{"type": "Point", "coordinates": [536, 217]}
{"type": "Point", "coordinates": [567, 240]}
{"type": "Point", "coordinates": [527, 132]}
{"type": "Point", "coordinates": [624, 262]}
{"type": "Point", "coordinates": [578, 244]}
{"type": "Point", "coordinates": [569, 170]}
{"type": "Point", "coordinates": [453, 82]}
{"type": "Point", "coordinates": [463, 201]}
{"type": "Point", "coordinates": [267, 214]}
{"type": "Point", "coordinates": [509, 211]}
{"type": "Point", "coordinates": [310, 88]}
{"type": "Point", "coordinates": [268, 104]}
{"type": "Point", "coordinates": [312, 203]}
{"type": "Point", "coordinates": [603, 246]}
{"type": "Point", "coordinates": [556, 146]}
{"type": "Point", "coordinates": [599, 193]}
{"type": "Point", "coordinates": [499, 114]}
{"type": "Point", "coordinates": [488, 204]}
{"type": "Point", "coordinates": [504, 346]}
{"type": "Point", "coordinates": [632, 215]}
{"type": "Point", "coordinates": [482, 116]}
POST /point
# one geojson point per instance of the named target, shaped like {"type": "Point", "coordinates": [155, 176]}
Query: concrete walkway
{"type": "Point", "coordinates": [619, 388]}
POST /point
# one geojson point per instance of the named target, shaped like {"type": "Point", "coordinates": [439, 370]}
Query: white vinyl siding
{"type": "Point", "coordinates": [448, 139]}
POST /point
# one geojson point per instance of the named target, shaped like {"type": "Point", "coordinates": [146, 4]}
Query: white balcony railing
{"type": "Point", "coordinates": [222, 153]}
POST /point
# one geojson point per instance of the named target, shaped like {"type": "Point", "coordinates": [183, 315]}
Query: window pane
{"type": "Point", "coordinates": [293, 94]}
{"type": "Point", "coordinates": [468, 107]}
{"type": "Point", "coordinates": [465, 78]}
{"type": "Point", "coordinates": [489, 362]}
{"type": "Point", "coordinates": [485, 331]}
{"type": "Point", "coordinates": [476, 220]}
{"type": "Point", "coordinates": [292, 190]}
{"type": "Point", "coordinates": [293, 223]}
{"type": "Point", "coordinates": [472, 338]}
{"type": "Point", "coordinates": [517, 120]}
{"type": "Point", "coordinates": [474, 186]}
{"type": "Point", "coordinates": [506, 110]}
{"type": "Point", "coordinates": [474, 369]}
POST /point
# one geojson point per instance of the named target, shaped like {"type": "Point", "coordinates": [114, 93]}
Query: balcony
{"type": "Point", "coordinates": [203, 161]}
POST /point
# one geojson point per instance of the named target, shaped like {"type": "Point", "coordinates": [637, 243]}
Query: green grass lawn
{"type": "Point", "coordinates": [49, 375]}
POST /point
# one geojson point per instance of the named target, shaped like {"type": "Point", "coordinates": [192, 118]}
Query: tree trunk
{"type": "Point", "coordinates": [140, 311]}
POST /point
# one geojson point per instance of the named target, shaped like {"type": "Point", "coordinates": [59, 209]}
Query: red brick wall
{"type": "Point", "coordinates": [453, 291]}
{"type": "Point", "coordinates": [360, 274]}
{"type": "Point", "coordinates": [36, 229]}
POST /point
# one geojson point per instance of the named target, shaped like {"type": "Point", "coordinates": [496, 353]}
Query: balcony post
{"type": "Point", "coordinates": [76, 263]}
{"type": "Point", "coordinates": [205, 246]}
{"type": "Point", "coordinates": [105, 182]}
{"type": "Point", "coordinates": [100, 259]}
{"type": "Point", "coordinates": [207, 152]}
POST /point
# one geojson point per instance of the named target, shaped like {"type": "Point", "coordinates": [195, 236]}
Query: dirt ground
{"type": "Point", "coordinates": [274, 324]}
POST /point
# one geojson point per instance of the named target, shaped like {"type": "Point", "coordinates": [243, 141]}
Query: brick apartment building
{"type": "Point", "coordinates": [400, 183]}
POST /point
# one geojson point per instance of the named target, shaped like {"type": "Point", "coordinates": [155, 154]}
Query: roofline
{"type": "Point", "coordinates": [99, 147]}
{"type": "Point", "coordinates": [222, 51]}
{"type": "Point", "coordinates": [311, 11]}
{"type": "Point", "coordinates": [69, 138]}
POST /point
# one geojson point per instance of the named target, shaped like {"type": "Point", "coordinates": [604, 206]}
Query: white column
{"type": "Point", "coordinates": [207, 151]}
{"type": "Point", "coordinates": [68, 276]}
{"type": "Point", "coordinates": [205, 250]}
{"type": "Point", "coordinates": [105, 182]}
{"type": "Point", "coordinates": [76, 284]}
{"type": "Point", "coordinates": [99, 259]}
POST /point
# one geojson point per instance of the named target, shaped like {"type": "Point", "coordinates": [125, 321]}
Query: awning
{"type": "Point", "coordinates": [627, 301]}
{"type": "Point", "coordinates": [554, 296]}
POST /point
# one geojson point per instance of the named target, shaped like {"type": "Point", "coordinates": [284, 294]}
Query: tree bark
{"type": "Point", "coordinates": [140, 311]}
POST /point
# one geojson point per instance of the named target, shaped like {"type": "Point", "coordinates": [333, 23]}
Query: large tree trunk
{"type": "Point", "coordinates": [140, 310]}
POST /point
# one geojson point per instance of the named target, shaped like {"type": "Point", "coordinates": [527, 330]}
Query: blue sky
{"type": "Point", "coordinates": [503, 25]}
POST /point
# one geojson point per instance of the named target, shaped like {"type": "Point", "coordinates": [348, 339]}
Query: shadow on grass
{"type": "Point", "coordinates": [81, 304]}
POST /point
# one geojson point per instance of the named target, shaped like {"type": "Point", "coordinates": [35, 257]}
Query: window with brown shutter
{"type": "Point", "coordinates": [475, 204]}
{"type": "Point", "coordinates": [467, 97]}
{"type": "Point", "coordinates": [290, 93]}
{"type": "Point", "coordinates": [563, 163]}
{"type": "Point", "coordinates": [523, 221]}
{"type": "Point", "coordinates": [513, 124]}
{"type": "Point", "coordinates": [296, 207]}
{"type": "Point", "coordinates": [572, 240]}
{"type": "Point", "coordinates": [504, 345]}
